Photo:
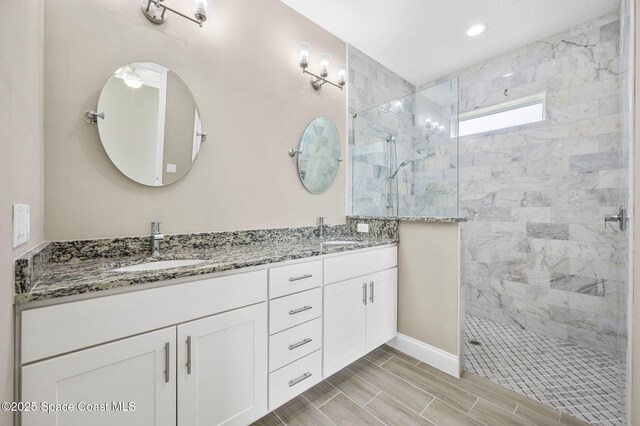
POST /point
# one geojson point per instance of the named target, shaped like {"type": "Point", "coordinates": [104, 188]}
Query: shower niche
{"type": "Point", "coordinates": [404, 156]}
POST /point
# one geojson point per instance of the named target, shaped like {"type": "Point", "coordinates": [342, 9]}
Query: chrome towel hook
{"type": "Point", "coordinates": [91, 117]}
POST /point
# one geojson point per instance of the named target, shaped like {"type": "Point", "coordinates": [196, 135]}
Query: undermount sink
{"type": "Point", "coordinates": [163, 264]}
{"type": "Point", "coordinates": [338, 242]}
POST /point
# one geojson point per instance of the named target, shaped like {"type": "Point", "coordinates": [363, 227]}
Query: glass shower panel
{"type": "Point", "coordinates": [405, 155]}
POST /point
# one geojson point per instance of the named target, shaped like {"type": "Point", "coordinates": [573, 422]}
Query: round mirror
{"type": "Point", "coordinates": [151, 127]}
{"type": "Point", "coordinates": [319, 155]}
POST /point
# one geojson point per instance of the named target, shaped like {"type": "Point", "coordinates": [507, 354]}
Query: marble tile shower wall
{"type": "Point", "coordinates": [536, 253]}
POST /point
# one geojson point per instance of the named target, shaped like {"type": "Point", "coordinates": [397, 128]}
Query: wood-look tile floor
{"type": "Point", "coordinates": [389, 387]}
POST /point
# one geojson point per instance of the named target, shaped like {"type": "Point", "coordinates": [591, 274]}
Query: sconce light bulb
{"type": "Point", "coordinates": [304, 52]}
{"type": "Point", "coordinates": [342, 75]}
{"type": "Point", "coordinates": [324, 65]}
{"type": "Point", "coordinates": [200, 10]}
{"type": "Point", "coordinates": [428, 122]}
{"type": "Point", "coordinates": [441, 130]}
{"type": "Point", "coordinates": [435, 124]}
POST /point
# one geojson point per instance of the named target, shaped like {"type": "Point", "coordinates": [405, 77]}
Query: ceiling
{"type": "Point", "coordinates": [422, 40]}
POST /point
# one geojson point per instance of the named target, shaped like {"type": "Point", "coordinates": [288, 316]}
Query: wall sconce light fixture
{"type": "Point", "coordinates": [434, 128]}
{"type": "Point", "coordinates": [304, 53]}
{"type": "Point", "coordinates": [156, 11]}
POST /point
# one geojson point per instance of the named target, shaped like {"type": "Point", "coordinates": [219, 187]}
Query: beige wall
{"type": "Point", "coordinates": [21, 154]}
{"type": "Point", "coordinates": [428, 285]}
{"type": "Point", "coordinates": [254, 100]}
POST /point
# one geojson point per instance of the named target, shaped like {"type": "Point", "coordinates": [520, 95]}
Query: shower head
{"type": "Point", "coordinates": [404, 163]}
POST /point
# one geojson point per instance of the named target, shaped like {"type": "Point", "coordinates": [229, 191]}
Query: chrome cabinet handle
{"type": "Point", "coordinates": [300, 343]}
{"type": "Point", "coordinates": [371, 289]}
{"type": "Point", "coordinates": [167, 362]}
{"type": "Point", "coordinates": [299, 379]}
{"type": "Point", "coordinates": [364, 294]}
{"type": "Point", "coordinates": [301, 277]}
{"type": "Point", "coordinates": [189, 355]}
{"type": "Point", "coordinates": [297, 311]}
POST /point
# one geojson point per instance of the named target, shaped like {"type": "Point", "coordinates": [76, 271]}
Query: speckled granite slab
{"type": "Point", "coordinates": [410, 219]}
{"type": "Point", "coordinates": [78, 267]}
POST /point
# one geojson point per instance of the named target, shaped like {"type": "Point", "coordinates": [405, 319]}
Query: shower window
{"type": "Point", "coordinates": [509, 114]}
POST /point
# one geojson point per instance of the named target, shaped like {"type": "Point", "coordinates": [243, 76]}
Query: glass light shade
{"type": "Point", "coordinates": [132, 81]}
{"type": "Point", "coordinates": [428, 122]}
{"type": "Point", "coordinates": [325, 59]}
{"type": "Point", "coordinates": [200, 9]}
{"type": "Point", "coordinates": [342, 74]}
{"type": "Point", "coordinates": [476, 30]}
{"type": "Point", "coordinates": [304, 53]}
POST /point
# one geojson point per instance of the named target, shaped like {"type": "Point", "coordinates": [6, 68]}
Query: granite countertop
{"type": "Point", "coordinates": [80, 276]}
{"type": "Point", "coordinates": [413, 218]}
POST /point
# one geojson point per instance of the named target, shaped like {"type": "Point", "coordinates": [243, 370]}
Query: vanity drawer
{"type": "Point", "coordinates": [290, 345]}
{"type": "Point", "coordinates": [294, 379]}
{"type": "Point", "coordinates": [344, 267]}
{"type": "Point", "coordinates": [294, 278]}
{"type": "Point", "coordinates": [290, 311]}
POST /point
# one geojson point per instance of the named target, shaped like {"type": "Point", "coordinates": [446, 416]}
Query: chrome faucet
{"type": "Point", "coordinates": [156, 237]}
{"type": "Point", "coordinates": [321, 226]}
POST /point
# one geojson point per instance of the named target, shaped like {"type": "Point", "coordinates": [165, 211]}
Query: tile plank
{"type": "Point", "coordinates": [491, 415]}
{"type": "Point", "coordinates": [378, 356]}
{"type": "Point", "coordinates": [501, 398]}
{"type": "Point", "coordinates": [442, 414]}
{"type": "Point", "coordinates": [391, 412]}
{"type": "Point", "coordinates": [452, 395]}
{"type": "Point", "coordinates": [355, 387]}
{"type": "Point", "coordinates": [269, 420]}
{"type": "Point", "coordinates": [320, 393]}
{"type": "Point", "coordinates": [409, 395]}
{"type": "Point", "coordinates": [342, 411]}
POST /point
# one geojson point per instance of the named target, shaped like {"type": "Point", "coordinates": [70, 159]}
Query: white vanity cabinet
{"type": "Point", "coordinates": [222, 368]}
{"type": "Point", "coordinates": [360, 313]}
{"type": "Point", "coordinates": [106, 379]}
{"type": "Point", "coordinates": [208, 371]}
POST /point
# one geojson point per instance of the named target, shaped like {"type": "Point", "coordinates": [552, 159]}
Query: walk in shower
{"type": "Point", "coordinates": [532, 148]}
{"type": "Point", "coordinates": [405, 155]}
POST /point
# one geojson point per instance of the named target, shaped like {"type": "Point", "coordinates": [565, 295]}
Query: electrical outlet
{"type": "Point", "coordinates": [21, 224]}
{"type": "Point", "coordinates": [363, 227]}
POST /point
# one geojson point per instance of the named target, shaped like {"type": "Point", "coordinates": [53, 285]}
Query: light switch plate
{"type": "Point", "coordinates": [363, 227]}
{"type": "Point", "coordinates": [171, 168]}
{"type": "Point", "coordinates": [21, 224]}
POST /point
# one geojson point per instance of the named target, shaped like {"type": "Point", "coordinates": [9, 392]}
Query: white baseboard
{"type": "Point", "coordinates": [428, 354]}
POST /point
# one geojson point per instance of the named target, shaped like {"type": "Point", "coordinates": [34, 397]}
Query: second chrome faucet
{"type": "Point", "coordinates": [156, 237]}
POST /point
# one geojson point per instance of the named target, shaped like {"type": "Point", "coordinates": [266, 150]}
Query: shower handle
{"type": "Point", "coordinates": [621, 218]}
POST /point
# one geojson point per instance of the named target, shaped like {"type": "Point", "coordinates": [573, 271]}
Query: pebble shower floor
{"type": "Point", "coordinates": [570, 378]}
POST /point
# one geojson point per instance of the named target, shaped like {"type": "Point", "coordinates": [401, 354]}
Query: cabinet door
{"type": "Point", "coordinates": [344, 324]}
{"type": "Point", "coordinates": [222, 368]}
{"type": "Point", "coordinates": [106, 379]}
{"type": "Point", "coordinates": [382, 308]}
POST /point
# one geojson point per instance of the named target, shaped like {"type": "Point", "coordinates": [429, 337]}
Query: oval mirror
{"type": "Point", "coordinates": [151, 128]}
{"type": "Point", "coordinates": [319, 155]}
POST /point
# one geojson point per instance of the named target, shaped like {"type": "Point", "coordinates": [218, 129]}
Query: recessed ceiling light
{"type": "Point", "coordinates": [476, 30]}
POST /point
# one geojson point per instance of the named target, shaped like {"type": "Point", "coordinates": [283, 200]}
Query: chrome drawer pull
{"type": "Point", "coordinates": [299, 379]}
{"type": "Point", "coordinates": [364, 294]}
{"type": "Point", "coordinates": [167, 362]}
{"type": "Point", "coordinates": [297, 311]}
{"type": "Point", "coordinates": [301, 277]}
{"type": "Point", "coordinates": [189, 355]}
{"type": "Point", "coordinates": [303, 342]}
{"type": "Point", "coordinates": [371, 289]}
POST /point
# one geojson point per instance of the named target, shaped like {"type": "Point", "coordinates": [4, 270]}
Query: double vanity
{"type": "Point", "coordinates": [248, 322]}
